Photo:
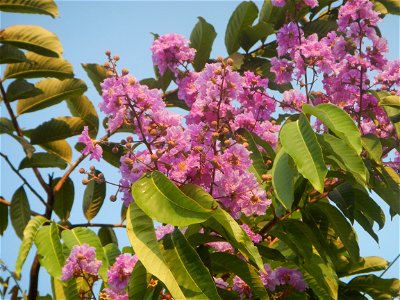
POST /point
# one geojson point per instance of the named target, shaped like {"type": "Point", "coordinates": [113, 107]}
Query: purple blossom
{"type": "Point", "coordinates": [110, 294]}
{"type": "Point", "coordinates": [161, 231]}
{"type": "Point", "coordinates": [278, 3]}
{"type": "Point", "coordinates": [91, 148]}
{"type": "Point", "coordinates": [120, 272]}
{"type": "Point", "coordinates": [82, 260]}
{"type": "Point", "coordinates": [241, 287]}
{"type": "Point", "coordinates": [255, 237]}
{"type": "Point", "coordinates": [170, 51]}
{"type": "Point", "coordinates": [290, 277]}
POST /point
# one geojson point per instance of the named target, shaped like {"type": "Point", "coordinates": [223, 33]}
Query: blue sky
{"type": "Point", "coordinates": [86, 29]}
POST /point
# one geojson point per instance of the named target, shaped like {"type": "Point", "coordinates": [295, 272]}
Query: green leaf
{"type": "Point", "coordinates": [97, 74]}
{"type": "Point", "coordinates": [54, 91]}
{"type": "Point", "coordinates": [171, 100]}
{"type": "Point", "coordinates": [20, 211]}
{"type": "Point", "coordinates": [57, 129]}
{"type": "Point", "coordinates": [338, 121]}
{"type": "Point", "coordinates": [366, 223]}
{"type": "Point", "coordinates": [107, 236]}
{"type": "Point", "coordinates": [343, 229]}
{"type": "Point", "coordinates": [93, 198]}
{"type": "Point", "coordinates": [109, 156]}
{"type": "Point", "coordinates": [365, 265]}
{"type": "Point", "coordinates": [227, 227]}
{"type": "Point", "coordinates": [21, 89]}
{"type": "Point", "coordinates": [6, 126]}
{"type": "Point", "coordinates": [42, 160]}
{"type": "Point", "coordinates": [3, 217]}
{"type": "Point", "coordinates": [111, 250]}
{"type": "Point", "coordinates": [345, 156]}
{"type": "Point", "coordinates": [391, 6]}
{"type": "Point", "coordinates": [227, 263]}
{"type": "Point", "coordinates": [138, 283]}
{"type": "Point", "coordinates": [253, 34]}
{"type": "Point", "coordinates": [32, 38]}
{"type": "Point", "coordinates": [39, 66]}
{"type": "Point", "coordinates": [141, 234]}
{"type": "Point", "coordinates": [373, 145]}
{"type": "Point", "coordinates": [201, 39]}
{"type": "Point", "coordinates": [188, 269]}
{"type": "Point", "coordinates": [162, 200]}
{"type": "Point", "coordinates": [60, 148]}
{"type": "Point", "coordinates": [320, 26]}
{"type": "Point", "coordinates": [255, 154]}
{"type": "Point", "coordinates": [79, 236]}
{"type": "Point", "coordinates": [242, 17]}
{"type": "Point", "coordinates": [43, 7]}
{"type": "Point", "coordinates": [49, 249]}
{"type": "Point", "coordinates": [10, 55]}
{"type": "Point", "coordinates": [284, 176]}
{"type": "Point", "coordinates": [64, 199]}
{"type": "Point", "coordinates": [29, 236]}
{"type": "Point", "coordinates": [390, 100]}
{"type": "Point", "coordinates": [376, 287]}
{"type": "Point", "coordinates": [64, 290]}
{"type": "Point", "coordinates": [387, 187]}
{"type": "Point", "coordinates": [82, 107]}
{"type": "Point", "coordinates": [300, 142]}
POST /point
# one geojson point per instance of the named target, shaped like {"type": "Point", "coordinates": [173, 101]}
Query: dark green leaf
{"type": "Point", "coordinates": [163, 201]}
{"type": "Point", "coordinates": [138, 283]}
{"type": "Point", "coordinates": [54, 91]}
{"type": "Point", "coordinates": [111, 250]}
{"type": "Point", "coordinates": [242, 17]}
{"type": "Point", "coordinates": [227, 263]}
{"type": "Point", "coordinates": [300, 142]}
{"type": "Point", "coordinates": [366, 265]}
{"type": "Point", "coordinates": [388, 187]}
{"type": "Point", "coordinates": [320, 26]}
{"type": "Point", "coordinates": [93, 198]}
{"type": "Point", "coordinates": [65, 291]}
{"type": "Point", "coordinates": [39, 66]}
{"type": "Point", "coordinates": [201, 39]}
{"type": "Point", "coordinates": [390, 6]}
{"type": "Point", "coordinates": [171, 100]}
{"type": "Point", "coordinates": [57, 129]}
{"type": "Point", "coordinates": [253, 34]}
{"type": "Point", "coordinates": [33, 38]}
{"type": "Point", "coordinates": [10, 55]}
{"type": "Point", "coordinates": [44, 7]}
{"type": "Point", "coordinates": [21, 89]}
{"type": "Point", "coordinates": [344, 230]}
{"type": "Point", "coordinates": [97, 74]}
{"type": "Point", "coordinates": [376, 287]}
{"type": "Point", "coordinates": [3, 217]}
{"type": "Point", "coordinates": [20, 211]}
{"type": "Point", "coordinates": [107, 236]}
{"type": "Point", "coordinates": [64, 199]}
{"type": "Point", "coordinates": [42, 160]}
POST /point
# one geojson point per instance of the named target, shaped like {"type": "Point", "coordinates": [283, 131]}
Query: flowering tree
{"type": "Point", "coordinates": [257, 186]}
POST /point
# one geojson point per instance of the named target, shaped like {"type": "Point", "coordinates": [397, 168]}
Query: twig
{"type": "Point", "coordinates": [22, 178]}
{"type": "Point", "coordinates": [97, 225]}
{"type": "Point", "coordinates": [389, 266]}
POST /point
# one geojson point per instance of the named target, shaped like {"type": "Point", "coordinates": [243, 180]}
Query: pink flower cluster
{"type": "Point", "coordinates": [118, 277]}
{"type": "Point", "coordinates": [170, 51]}
{"type": "Point", "coordinates": [81, 262]}
{"type": "Point", "coordinates": [345, 60]}
{"type": "Point", "coordinates": [207, 151]}
{"type": "Point", "coordinates": [271, 279]}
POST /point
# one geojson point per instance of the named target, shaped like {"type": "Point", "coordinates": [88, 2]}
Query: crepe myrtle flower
{"type": "Point", "coordinates": [81, 261]}
{"type": "Point", "coordinates": [91, 147]}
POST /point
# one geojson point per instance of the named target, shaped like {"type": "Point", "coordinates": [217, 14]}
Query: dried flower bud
{"type": "Point", "coordinates": [125, 71]}
{"type": "Point", "coordinates": [108, 52]}
{"type": "Point", "coordinates": [266, 177]}
{"type": "Point", "coordinates": [116, 57]}
{"type": "Point", "coordinates": [82, 170]}
{"type": "Point", "coordinates": [229, 62]}
{"type": "Point", "coordinates": [113, 198]}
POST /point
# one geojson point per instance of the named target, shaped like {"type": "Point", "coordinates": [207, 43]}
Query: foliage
{"type": "Point", "coordinates": [258, 192]}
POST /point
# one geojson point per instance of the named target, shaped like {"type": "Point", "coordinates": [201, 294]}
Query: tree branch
{"type": "Point", "coordinates": [22, 178]}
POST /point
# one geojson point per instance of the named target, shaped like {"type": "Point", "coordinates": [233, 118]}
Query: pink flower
{"type": "Point", "coordinates": [91, 148]}
{"type": "Point", "coordinates": [82, 260]}
{"type": "Point", "coordinates": [170, 51]}
{"type": "Point", "coordinates": [255, 237]}
{"type": "Point", "coordinates": [278, 3]}
{"type": "Point", "coordinates": [161, 231]}
{"type": "Point", "coordinates": [120, 272]}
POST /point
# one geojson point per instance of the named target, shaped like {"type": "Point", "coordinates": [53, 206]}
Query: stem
{"type": "Point", "coordinates": [389, 266]}
{"type": "Point", "coordinates": [97, 225]}
{"type": "Point", "coordinates": [22, 178]}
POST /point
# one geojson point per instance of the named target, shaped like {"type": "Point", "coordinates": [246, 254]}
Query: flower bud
{"type": "Point", "coordinates": [266, 177]}
{"type": "Point", "coordinates": [82, 170]}
{"type": "Point", "coordinates": [115, 150]}
{"type": "Point", "coordinates": [154, 157]}
{"type": "Point", "coordinates": [220, 59]}
{"type": "Point", "coordinates": [110, 74]}
{"type": "Point", "coordinates": [214, 124]}
{"type": "Point", "coordinates": [108, 52]}
{"type": "Point", "coordinates": [229, 62]}
{"type": "Point", "coordinates": [92, 168]}
{"type": "Point", "coordinates": [125, 71]}
{"type": "Point", "coordinates": [113, 198]}
{"type": "Point", "coordinates": [116, 57]}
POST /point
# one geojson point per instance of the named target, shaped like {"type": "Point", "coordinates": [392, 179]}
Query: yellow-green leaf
{"type": "Point", "coordinates": [43, 7]}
